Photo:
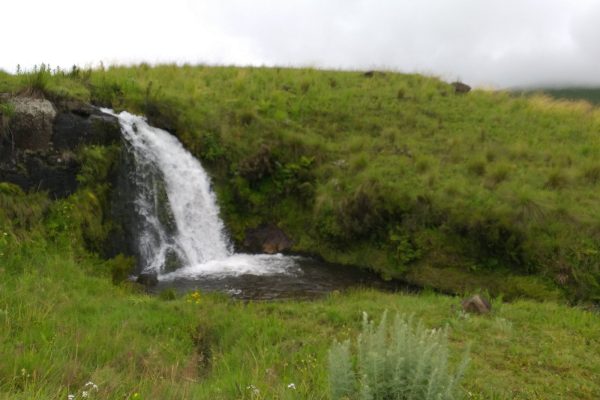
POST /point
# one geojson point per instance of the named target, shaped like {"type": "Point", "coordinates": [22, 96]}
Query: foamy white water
{"type": "Point", "coordinates": [198, 239]}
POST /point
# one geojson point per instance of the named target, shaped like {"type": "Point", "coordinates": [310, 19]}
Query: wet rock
{"type": "Point", "coordinates": [267, 238]}
{"type": "Point", "coordinates": [172, 261]}
{"type": "Point", "coordinates": [461, 88]}
{"type": "Point", "coordinates": [82, 124]}
{"type": "Point", "coordinates": [148, 279]}
{"type": "Point", "coordinates": [476, 305]}
{"type": "Point", "coordinates": [30, 124]}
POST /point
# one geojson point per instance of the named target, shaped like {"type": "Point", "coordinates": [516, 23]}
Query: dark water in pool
{"type": "Point", "coordinates": [305, 279]}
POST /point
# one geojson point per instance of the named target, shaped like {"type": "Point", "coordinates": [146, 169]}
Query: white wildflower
{"type": "Point", "coordinates": [71, 397]}
{"type": "Point", "coordinates": [253, 388]}
{"type": "Point", "coordinates": [85, 394]}
{"type": "Point", "coordinates": [292, 386]}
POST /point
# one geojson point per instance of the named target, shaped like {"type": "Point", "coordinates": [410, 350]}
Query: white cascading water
{"type": "Point", "coordinates": [198, 238]}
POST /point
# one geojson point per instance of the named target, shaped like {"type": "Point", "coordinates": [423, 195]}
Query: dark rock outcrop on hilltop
{"type": "Point", "coordinates": [267, 238]}
{"type": "Point", "coordinates": [39, 140]}
{"type": "Point", "coordinates": [461, 88]}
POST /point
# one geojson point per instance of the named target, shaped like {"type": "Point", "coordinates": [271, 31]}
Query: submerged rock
{"type": "Point", "coordinates": [267, 238]}
{"type": "Point", "coordinates": [477, 305]}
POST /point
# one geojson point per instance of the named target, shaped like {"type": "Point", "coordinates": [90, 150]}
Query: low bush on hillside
{"type": "Point", "coordinates": [404, 361]}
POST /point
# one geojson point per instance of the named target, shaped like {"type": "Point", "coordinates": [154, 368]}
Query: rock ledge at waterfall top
{"type": "Point", "coordinates": [39, 140]}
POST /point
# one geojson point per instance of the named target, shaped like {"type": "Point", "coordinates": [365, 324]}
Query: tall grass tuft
{"type": "Point", "coordinates": [403, 361]}
{"type": "Point", "coordinates": [35, 83]}
{"type": "Point", "coordinates": [591, 174]}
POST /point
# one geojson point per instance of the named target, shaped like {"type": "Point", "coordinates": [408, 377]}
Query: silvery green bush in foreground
{"type": "Point", "coordinates": [404, 361]}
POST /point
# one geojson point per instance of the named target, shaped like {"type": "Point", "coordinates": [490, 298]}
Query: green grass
{"type": "Point", "coordinates": [63, 324]}
{"type": "Point", "coordinates": [393, 172]}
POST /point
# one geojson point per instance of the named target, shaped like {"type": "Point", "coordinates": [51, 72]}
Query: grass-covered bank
{"type": "Point", "coordinates": [390, 171]}
{"type": "Point", "coordinates": [63, 324]}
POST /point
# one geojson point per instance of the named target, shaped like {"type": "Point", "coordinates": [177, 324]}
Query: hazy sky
{"type": "Point", "coordinates": [483, 42]}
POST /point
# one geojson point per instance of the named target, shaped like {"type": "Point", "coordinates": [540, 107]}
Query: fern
{"type": "Point", "coordinates": [404, 361]}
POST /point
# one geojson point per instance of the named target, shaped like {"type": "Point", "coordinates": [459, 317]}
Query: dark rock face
{"type": "Point", "coordinates": [267, 238]}
{"type": "Point", "coordinates": [39, 171]}
{"type": "Point", "coordinates": [81, 124]}
{"type": "Point", "coordinates": [461, 88]}
{"type": "Point", "coordinates": [30, 127]}
{"type": "Point", "coordinates": [129, 223]}
{"type": "Point", "coordinates": [39, 140]}
{"type": "Point", "coordinates": [476, 305]}
{"type": "Point", "coordinates": [122, 209]}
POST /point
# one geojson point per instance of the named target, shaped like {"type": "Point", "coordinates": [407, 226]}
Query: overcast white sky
{"type": "Point", "coordinates": [483, 42]}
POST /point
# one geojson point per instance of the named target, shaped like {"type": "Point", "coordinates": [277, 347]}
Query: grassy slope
{"type": "Point", "coordinates": [406, 177]}
{"type": "Point", "coordinates": [63, 323]}
{"type": "Point", "coordinates": [393, 172]}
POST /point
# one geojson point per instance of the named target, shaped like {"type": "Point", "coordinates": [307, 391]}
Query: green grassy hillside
{"type": "Point", "coordinates": [63, 324]}
{"type": "Point", "coordinates": [393, 172]}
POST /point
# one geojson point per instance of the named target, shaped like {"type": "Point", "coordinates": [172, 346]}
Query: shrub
{"type": "Point", "coordinates": [120, 268]}
{"type": "Point", "coordinates": [404, 361]}
{"type": "Point", "coordinates": [364, 213]}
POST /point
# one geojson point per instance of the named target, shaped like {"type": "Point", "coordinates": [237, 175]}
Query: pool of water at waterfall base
{"type": "Point", "coordinates": [273, 277]}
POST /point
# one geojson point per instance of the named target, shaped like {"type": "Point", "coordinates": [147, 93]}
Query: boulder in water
{"type": "Point", "coordinates": [267, 238]}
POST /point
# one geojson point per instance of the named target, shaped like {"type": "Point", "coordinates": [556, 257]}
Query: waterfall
{"type": "Point", "coordinates": [180, 232]}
